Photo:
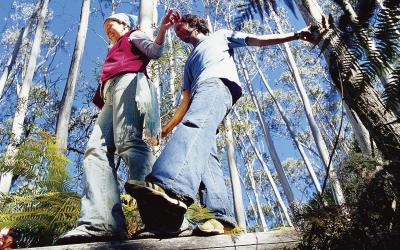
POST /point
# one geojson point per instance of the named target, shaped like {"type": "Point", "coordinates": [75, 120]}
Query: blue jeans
{"type": "Point", "coordinates": [118, 129]}
{"type": "Point", "coordinates": [189, 163]}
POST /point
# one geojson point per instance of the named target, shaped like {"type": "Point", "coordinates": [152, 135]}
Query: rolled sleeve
{"type": "Point", "coordinates": [147, 46]}
{"type": "Point", "coordinates": [236, 39]}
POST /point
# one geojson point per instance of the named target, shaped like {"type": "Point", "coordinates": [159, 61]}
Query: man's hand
{"type": "Point", "coordinates": [309, 34]}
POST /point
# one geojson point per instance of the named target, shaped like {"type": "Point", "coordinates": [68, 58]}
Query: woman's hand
{"type": "Point", "coordinates": [168, 20]}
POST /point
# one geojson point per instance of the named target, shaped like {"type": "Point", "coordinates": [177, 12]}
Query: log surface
{"type": "Point", "coordinates": [277, 239]}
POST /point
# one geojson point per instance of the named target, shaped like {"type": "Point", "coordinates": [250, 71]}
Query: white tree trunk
{"type": "Point", "coordinates": [172, 73]}
{"type": "Point", "coordinates": [289, 127]}
{"type": "Point", "coordinates": [20, 42]}
{"type": "Point", "coordinates": [267, 136]}
{"type": "Point", "coordinates": [236, 188]}
{"type": "Point", "coordinates": [22, 105]}
{"type": "Point", "coordinates": [269, 176]}
{"type": "Point", "coordinates": [250, 173]}
{"type": "Point", "coordinates": [322, 149]}
{"type": "Point", "coordinates": [69, 90]}
{"type": "Point", "coordinates": [146, 16]}
{"type": "Point", "coordinates": [360, 132]}
{"type": "Point", "coordinates": [251, 203]}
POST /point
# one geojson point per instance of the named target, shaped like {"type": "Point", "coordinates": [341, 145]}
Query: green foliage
{"type": "Point", "coordinates": [38, 164]}
{"type": "Point", "coordinates": [369, 220]}
{"type": "Point", "coordinates": [196, 213]}
{"type": "Point", "coordinates": [41, 205]}
{"type": "Point", "coordinates": [131, 212]}
{"type": "Point", "coordinates": [38, 219]}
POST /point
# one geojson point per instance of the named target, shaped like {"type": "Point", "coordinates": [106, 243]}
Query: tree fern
{"type": "Point", "coordinates": [41, 205]}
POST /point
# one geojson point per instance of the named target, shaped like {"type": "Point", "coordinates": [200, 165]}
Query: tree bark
{"type": "Point", "coordinates": [236, 188]}
{"type": "Point", "coordinates": [383, 125]}
{"type": "Point", "coordinates": [22, 105]}
{"type": "Point", "coordinates": [69, 90]}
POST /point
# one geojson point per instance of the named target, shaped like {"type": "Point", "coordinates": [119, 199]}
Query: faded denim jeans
{"type": "Point", "coordinates": [118, 130]}
{"type": "Point", "coordinates": [189, 162]}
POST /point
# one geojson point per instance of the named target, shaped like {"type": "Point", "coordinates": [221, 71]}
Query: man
{"type": "Point", "coordinates": [211, 86]}
{"type": "Point", "coordinates": [118, 129]}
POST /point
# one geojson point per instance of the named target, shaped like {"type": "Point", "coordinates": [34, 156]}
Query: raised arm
{"type": "Point", "coordinates": [153, 49]}
{"type": "Point", "coordinates": [165, 24]}
{"type": "Point", "coordinates": [273, 39]}
{"type": "Point", "coordinates": [178, 116]}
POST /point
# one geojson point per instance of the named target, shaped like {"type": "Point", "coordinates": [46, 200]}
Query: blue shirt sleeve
{"type": "Point", "coordinates": [236, 39]}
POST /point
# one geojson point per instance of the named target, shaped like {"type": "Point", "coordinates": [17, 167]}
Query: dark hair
{"type": "Point", "coordinates": [196, 22]}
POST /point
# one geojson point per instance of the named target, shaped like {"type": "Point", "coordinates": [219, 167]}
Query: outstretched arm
{"type": "Point", "coordinates": [178, 116]}
{"type": "Point", "coordinates": [273, 39]}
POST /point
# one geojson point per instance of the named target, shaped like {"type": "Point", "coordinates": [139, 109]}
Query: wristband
{"type": "Point", "coordinates": [296, 35]}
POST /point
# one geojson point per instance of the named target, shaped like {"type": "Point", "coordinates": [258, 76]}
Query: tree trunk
{"type": "Point", "coordinates": [250, 173]}
{"type": "Point", "coordinates": [172, 73]}
{"type": "Point", "coordinates": [289, 127]}
{"type": "Point", "coordinates": [319, 142]}
{"type": "Point", "coordinates": [251, 203]}
{"type": "Point", "coordinates": [146, 16]}
{"type": "Point", "coordinates": [20, 42]}
{"type": "Point", "coordinates": [236, 188]}
{"type": "Point", "coordinates": [267, 136]}
{"type": "Point", "coordinates": [365, 101]}
{"type": "Point", "coordinates": [360, 132]}
{"type": "Point", "coordinates": [22, 105]}
{"type": "Point", "coordinates": [270, 178]}
{"type": "Point", "coordinates": [69, 90]}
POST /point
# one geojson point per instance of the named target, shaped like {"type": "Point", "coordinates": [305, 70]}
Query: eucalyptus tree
{"type": "Point", "coordinates": [268, 173]}
{"type": "Point", "coordinates": [18, 122]}
{"type": "Point", "coordinates": [267, 135]}
{"type": "Point", "coordinates": [234, 174]}
{"type": "Point", "coordinates": [319, 141]}
{"type": "Point", "coordinates": [288, 124]}
{"type": "Point", "coordinates": [64, 114]}
{"type": "Point", "coordinates": [345, 49]}
{"type": "Point", "coordinates": [21, 41]}
{"type": "Point", "coordinates": [250, 175]}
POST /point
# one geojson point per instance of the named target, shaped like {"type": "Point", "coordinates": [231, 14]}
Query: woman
{"type": "Point", "coordinates": [118, 129]}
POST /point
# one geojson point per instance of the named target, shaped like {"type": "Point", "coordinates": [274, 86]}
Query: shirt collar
{"type": "Point", "coordinates": [200, 39]}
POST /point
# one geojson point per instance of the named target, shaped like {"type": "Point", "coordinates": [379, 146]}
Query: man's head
{"type": "Point", "coordinates": [189, 26]}
{"type": "Point", "coordinates": [118, 24]}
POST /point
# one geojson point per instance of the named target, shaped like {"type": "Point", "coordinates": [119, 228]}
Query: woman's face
{"type": "Point", "coordinates": [114, 30]}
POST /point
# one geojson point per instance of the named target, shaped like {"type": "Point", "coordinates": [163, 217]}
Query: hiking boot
{"type": "Point", "coordinates": [158, 210]}
{"type": "Point", "coordinates": [211, 227]}
{"type": "Point", "coordinates": [82, 235]}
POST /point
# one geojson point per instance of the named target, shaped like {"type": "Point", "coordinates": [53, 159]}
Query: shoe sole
{"type": "Point", "coordinates": [157, 209]}
{"type": "Point", "coordinates": [201, 232]}
{"type": "Point", "coordinates": [77, 239]}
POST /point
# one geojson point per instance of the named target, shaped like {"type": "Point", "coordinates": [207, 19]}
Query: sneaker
{"type": "Point", "coordinates": [82, 235]}
{"type": "Point", "coordinates": [158, 210]}
{"type": "Point", "coordinates": [185, 230]}
{"type": "Point", "coordinates": [211, 227]}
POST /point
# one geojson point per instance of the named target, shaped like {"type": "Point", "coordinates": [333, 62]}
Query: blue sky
{"type": "Point", "coordinates": [65, 22]}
